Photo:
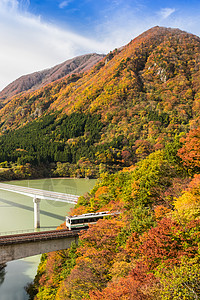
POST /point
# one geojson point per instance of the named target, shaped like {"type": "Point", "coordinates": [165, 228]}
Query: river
{"type": "Point", "coordinates": [16, 214]}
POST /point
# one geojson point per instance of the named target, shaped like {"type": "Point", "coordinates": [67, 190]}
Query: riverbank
{"type": "Point", "coordinates": [11, 171]}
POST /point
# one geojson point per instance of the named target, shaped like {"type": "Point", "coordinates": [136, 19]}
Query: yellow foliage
{"type": "Point", "coordinates": [187, 206]}
{"type": "Point", "coordinates": [121, 268]}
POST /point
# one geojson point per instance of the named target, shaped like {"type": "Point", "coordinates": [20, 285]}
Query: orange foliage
{"type": "Point", "coordinates": [194, 185]}
{"type": "Point", "coordinates": [101, 236]}
{"type": "Point", "coordinates": [135, 286]}
{"type": "Point", "coordinates": [161, 212]}
{"type": "Point", "coordinates": [167, 243]}
{"type": "Point", "coordinates": [190, 152]}
{"type": "Point", "coordinates": [95, 256]}
{"type": "Point", "coordinates": [78, 210]}
{"type": "Point", "coordinates": [101, 190]}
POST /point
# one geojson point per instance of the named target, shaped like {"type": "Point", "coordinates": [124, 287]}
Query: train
{"type": "Point", "coordinates": [79, 221]}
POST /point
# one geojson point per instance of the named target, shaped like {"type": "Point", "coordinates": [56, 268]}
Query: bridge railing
{"type": "Point", "coordinates": [41, 194]}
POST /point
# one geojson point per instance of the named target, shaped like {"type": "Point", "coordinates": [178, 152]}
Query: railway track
{"type": "Point", "coordinates": [38, 236]}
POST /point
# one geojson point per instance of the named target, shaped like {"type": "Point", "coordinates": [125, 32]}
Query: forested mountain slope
{"type": "Point", "coordinates": [148, 251]}
{"type": "Point", "coordinates": [133, 121]}
{"type": "Point", "coordinates": [160, 69]}
{"type": "Point", "coordinates": [41, 78]}
{"type": "Point", "coordinates": [136, 100]}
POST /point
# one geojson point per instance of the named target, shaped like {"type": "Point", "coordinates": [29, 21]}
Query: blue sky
{"type": "Point", "coordinates": [40, 34]}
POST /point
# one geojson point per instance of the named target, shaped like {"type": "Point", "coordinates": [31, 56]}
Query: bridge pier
{"type": "Point", "coordinates": [36, 202]}
{"type": "Point", "coordinates": [37, 195]}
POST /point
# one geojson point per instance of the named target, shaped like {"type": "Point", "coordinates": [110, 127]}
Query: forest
{"type": "Point", "coordinates": [135, 101]}
{"type": "Point", "coordinates": [150, 250]}
{"type": "Point", "coordinates": [133, 122]}
{"type": "Point", "coordinates": [50, 140]}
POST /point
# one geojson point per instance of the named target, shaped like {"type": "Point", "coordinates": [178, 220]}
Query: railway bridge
{"type": "Point", "coordinates": [18, 246]}
{"type": "Point", "coordinates": [37, 196]}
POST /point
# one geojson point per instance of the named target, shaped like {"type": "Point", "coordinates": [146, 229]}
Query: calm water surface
{"type": "Point", "coordinates": [16, 214]}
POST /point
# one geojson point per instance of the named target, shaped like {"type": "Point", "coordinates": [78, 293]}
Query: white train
{"type": "Point", "coordinates": [85, 219]}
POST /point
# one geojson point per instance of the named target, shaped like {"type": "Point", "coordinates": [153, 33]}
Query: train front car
{"type": "Point", "coordinates": [84, 220]}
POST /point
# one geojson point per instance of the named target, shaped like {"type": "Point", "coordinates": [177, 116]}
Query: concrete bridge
{"type": "Point", "coordinates": [18, 246]}
{"type": "Point", "coordinates": [37, 195]}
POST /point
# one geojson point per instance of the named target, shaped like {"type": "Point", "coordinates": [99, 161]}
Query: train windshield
{"type": "Point", "coordinates": [68, 220]}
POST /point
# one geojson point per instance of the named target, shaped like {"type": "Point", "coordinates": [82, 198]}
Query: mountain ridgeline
{"type": "Point", "coordinates": [39, 79]}
{"type": "Point", "coordinates": [144, 95]}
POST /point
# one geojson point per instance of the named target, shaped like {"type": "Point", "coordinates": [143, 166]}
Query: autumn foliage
{"type": "Point", "coordinates": [136, 120]}
{"type": "Point", "coordinates": [190, 152]}
{"type": "Point", "coordinates": [135, 101]}
{"type": "Point", "coordinates": [134, 255]}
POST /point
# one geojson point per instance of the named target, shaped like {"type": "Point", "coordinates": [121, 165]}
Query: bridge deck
{"type": "Point", "coordinates": [38, 236]}
{"type": "Point", "coordinates": [24, 245]}
{"type": "Point", "coordinates": [41, 194]}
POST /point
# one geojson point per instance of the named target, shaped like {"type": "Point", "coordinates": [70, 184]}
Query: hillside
{"type": "Point", "coordinates": [156, 69]}
{"type": "Point", "coordinates": [133, 102]}
{"type": "Point", "coordinates": [38, 79]}
{"type": "Point", "coordinates": [133, 122]}
{"type": "Point", "coordinates": [148, 252]}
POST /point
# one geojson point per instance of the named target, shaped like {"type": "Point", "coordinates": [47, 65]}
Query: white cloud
{"type": "Point", "coordinates": [166, 12]}
{"type": "Point", "coordinates": [64, 4]}
{"type": "Point", "coordinates": [28, 44]}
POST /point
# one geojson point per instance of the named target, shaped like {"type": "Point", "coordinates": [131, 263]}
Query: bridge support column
{"type": "Point", "coordinates": [36, 202]}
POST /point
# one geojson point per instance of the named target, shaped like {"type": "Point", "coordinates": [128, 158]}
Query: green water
{"type": "Point", "coordinates": [16, 214]}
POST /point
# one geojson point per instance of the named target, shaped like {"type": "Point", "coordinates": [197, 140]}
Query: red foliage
{"type": "Point", "coordinates": [167, 243]}
{"type": "Point", "coordinates": [101, 191]}
{"type": "Point", "coordinates": [190, 152]}
{"type": "Point", "coordinates": [101, 236]}
{"type": "Point", "coordinates": [95, 257]}
{"type": "Point", "coordinates": [126, 155]}
{"type": "Point", "coordinates": [133, 287]}
{"type": "Point", "coordinates": [194, 185]}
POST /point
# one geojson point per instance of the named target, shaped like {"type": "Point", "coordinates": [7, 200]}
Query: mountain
{"type": "Point", "coordinates": [133, 110]}
{"type": "Point", "coordinates": [136, 111]}
{"type": "Point", "coordinates": [136, 100]}
{"type": "Point", "coordinates": [38, 79]}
